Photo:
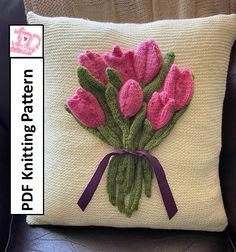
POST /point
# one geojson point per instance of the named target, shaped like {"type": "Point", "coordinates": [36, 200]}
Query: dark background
{"type": "Point", "coordinates": [10, 13]}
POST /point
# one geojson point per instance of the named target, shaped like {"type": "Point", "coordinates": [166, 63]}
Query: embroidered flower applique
{"type": "Point", "coordinates": [131, 100]}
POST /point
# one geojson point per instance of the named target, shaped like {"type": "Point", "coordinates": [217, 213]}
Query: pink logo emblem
{"type": "Point", "coordinates": [27, 43]}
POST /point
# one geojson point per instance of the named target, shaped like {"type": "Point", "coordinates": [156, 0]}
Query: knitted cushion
{"type": "Point", "coordinates": [189, 155]}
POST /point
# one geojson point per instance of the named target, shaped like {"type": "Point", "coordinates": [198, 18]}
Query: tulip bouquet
{"type": "Point", "coordinates": [130, 100]}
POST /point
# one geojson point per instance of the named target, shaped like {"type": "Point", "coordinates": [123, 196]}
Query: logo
{"type": "Point", "coordinates": [24, 42]}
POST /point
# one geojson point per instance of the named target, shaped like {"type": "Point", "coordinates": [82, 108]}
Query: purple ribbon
{"type": "Point", "coordinates": [166, 193]}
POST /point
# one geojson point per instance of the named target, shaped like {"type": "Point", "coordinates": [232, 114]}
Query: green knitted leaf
{"type": "Point", "coordinates": [110, 136]}
{"type": "Point", "coordinates": [137, 139]}
{"type": "Point", "coordinates": [146, 134]}
{"type": "Point", "coordinates": [89, 83]}
{"type": "Point", "coordinates": [136, 125]}
{"type": "Point", "coordinates": [156, 84]}
{"type": "Point", "coordinates": [114, 78]}
{"type": "Point", "coordinates": [111, 99]}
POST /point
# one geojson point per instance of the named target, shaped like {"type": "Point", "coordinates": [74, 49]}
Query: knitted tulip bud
{"type": "Point", "coordinates": [95, 63]}
{"type": "Point", "coordinates": [179, 86]}
{"type": "Point", "coordinates": [160, 109]}
{"type": "Point", "coordinates": [147, 61]}
{"type": "Point", "coordinates": [130, 98]}
{"type": "Point", "coordinates": [123, 62]}
{"type": "Point", "coordinates": [86, 109]}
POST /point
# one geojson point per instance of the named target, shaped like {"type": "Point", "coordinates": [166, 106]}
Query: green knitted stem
{"type": "Point", "coordinates": [111, 178]}
{"type": "Point", "coordinates": [114, 78]}
{"type": "Point", "coordinates": [89, 83]}
{"type": "Point", "coordinates": [86, 79]}
{"type": "Point", "coordinates": [137, 124]}
{"type": "Point", "coordinates": [137, 138]}
{"type": "Point", "coordinates": [121, 198]}
{"type": "Point", "coordinates": [138, 187]}
{"type": "Point", "coordinates": [147, 176]}
{"type": "Point", "coordinates": [121, 170]}
{"type": "Point", "coordinates": [110, 136]}
{"type": "Point", "coordinates": [158, 81]}
{"type": "Point", "coordinates": [124, 180]}
{"type": "Point", "coordinates": [146, 134]}
{"type": "Point", "coordinates": [136, 191]}
{"type": "Point", "coordinates": [161, 134]}
{"type": "Point", "coordinates": [135, 127]}
{"type": "Point", "coordinates": [111, 99]}
{"type": "Point", "coordinates": [129, 174]}
{"type": "Point", "coordinates": [128, 210]}
{"type": "Point", "coordinates": [90, 130]}
{"type": "Point", "coordinates": [120, 184]}
{"type": "Point", "coordinates": [142, 85]}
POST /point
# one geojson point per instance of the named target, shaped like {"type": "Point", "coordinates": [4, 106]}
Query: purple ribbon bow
{"type": "Point", "coordinates": [166, 193]}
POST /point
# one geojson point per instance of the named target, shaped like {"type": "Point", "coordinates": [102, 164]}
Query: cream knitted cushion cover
{"type": "Point", "coordinates": [189, 155]}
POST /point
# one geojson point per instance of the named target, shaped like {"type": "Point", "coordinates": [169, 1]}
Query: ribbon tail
{"type": "Point", "coordinates": [94, 182]}
{"type": "Point", "coordinates": [166, 193]}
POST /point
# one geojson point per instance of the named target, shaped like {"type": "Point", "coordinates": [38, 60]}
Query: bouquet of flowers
{"type": "Point", "coordinates": [130, 100]}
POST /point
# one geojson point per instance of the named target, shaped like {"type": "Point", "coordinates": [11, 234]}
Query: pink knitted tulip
{"type": "Point", "coordinates": [123, 62]}
{"type": "Point", "coordinates": [160, 109]}
{"type": "Point", "coordinates": [130, 98]}
{"type": "Point", "coordinates": [147, 61]}
{"type": "Point", "coordinates": [95, 63]}
{"type": "Point", "coordinates": [179, 86]}
{"type": "Point", "coordinates": [86, 108]}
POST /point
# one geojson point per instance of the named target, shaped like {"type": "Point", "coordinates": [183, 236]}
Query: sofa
{"type": "Point", "coordinates": [16, 235]}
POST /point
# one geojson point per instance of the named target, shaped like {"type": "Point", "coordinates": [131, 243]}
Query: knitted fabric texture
{"type": "Point", "coordinates": [190, 154]}
{"type": "Point", "coordinates": [179, 86]}
{"type": "Point", "coordinates": [160, 109]}
{"type": "Point", "coordinates": [130, 98]}
{"type": "Point", "coordinates": [123, 62]}
{"type": "Point", "coordinates": [95, 64]}
{"type": "Point", "coordinates": [147, 61]}
{"type": "Point", "coordinates": [86, 108]}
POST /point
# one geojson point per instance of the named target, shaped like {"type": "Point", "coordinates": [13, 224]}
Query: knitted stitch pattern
{"type": "Point", "coordinates": [190, 153]}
